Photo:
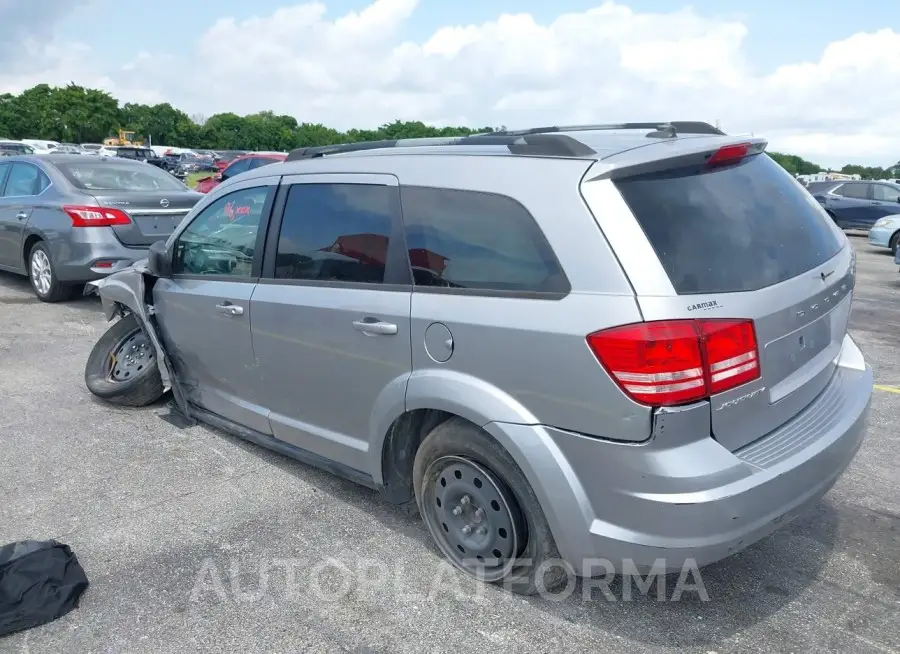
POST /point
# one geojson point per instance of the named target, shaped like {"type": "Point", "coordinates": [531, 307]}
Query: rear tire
{"type": "Point", "coordinates": [42, 274]}
{"type": "Point", "coordinates": [122, 367]}
{"type": "Point", "coordinates": [464, 479]}
{"type": "Point", "coordinates": [895, 239]}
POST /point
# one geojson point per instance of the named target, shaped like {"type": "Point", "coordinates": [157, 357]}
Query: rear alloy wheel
{"type": "Point", "coordinates": [122, 367]}
{"type": "Point", "coordinates": [43, 278]}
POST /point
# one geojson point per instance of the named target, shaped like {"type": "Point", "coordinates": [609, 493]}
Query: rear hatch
{"type": "Point", "coordinates": [737, 237]}
{"type": "Point", "coordinates": [154, 214]}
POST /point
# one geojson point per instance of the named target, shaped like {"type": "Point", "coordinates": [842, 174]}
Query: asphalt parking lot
{"type": "Point", "coordinates": [178, 528]}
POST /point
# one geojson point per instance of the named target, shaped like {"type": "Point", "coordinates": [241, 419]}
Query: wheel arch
{"type": "Point", "coordinates": [432, 397]}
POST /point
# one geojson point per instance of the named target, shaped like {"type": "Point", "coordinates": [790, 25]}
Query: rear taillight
{"type": "Point", "coordinates": [728, 154]}
{"type": "Point", "coordinates": [96, 216]}
{"type": "Point", "coordinates": [671, 362]}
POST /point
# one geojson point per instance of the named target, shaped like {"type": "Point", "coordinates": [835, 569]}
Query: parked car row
{"type": "Point", "coordinates": [857, 204]}
{"type": "Point", "coordinates": [66, 219]}
{"type": "Point", "coordinates": [549, 352]}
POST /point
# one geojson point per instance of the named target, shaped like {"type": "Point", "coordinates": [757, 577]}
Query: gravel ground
{"type": "Point", "coordinates": [196, 541]}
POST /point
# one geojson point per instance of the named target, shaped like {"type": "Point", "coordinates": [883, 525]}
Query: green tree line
{"type": "Point", "coordinates": [81, 115]}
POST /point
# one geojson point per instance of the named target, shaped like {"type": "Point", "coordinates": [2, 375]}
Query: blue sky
{"type": "Point", "coordinates": [780, 31]}
{"type": "Point", "coordinates": [757, 65]}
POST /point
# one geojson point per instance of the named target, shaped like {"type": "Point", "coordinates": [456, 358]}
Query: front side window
{"type": "Point", "coordinates": [23, 180]}
{"type": "Point", "coordinates": [885, 193]}
{"type": "Point", "coordinates": [221, 240]}
{"type": "Point", "coordinates": [335, 233]}
{"type": "Point", "coordinates": [238, 167]}
{"type": "Point", "coordinates": [477, 241]}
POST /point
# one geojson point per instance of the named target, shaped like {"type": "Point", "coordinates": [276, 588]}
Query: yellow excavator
{"type": "Point", "coordinates": [125, 138]}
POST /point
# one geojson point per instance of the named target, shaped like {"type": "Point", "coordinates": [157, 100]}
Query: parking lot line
{"type": "Point", "coordinates": [889, 389]}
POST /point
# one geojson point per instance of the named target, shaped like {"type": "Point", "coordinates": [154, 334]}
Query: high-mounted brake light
{"type": "Point", "coordinates": [728, 154]}
{"type": "Point", "coordinates": [670, 362]}
{"type": "Point", "coordinates": [96, 216]}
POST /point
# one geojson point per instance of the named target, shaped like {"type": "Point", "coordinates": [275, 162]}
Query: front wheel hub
{"type": "Point", "coordinates": [473, 517]}
{"type": "Point", "coordinates": [130, 356]}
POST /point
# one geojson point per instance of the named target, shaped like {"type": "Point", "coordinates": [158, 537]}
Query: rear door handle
{"type": "Point", "coordinates": [373, 326]}
{"type": "Point", "coordinates": [230, 309]}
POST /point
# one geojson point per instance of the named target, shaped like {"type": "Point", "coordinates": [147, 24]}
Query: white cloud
{"type": "Point", "coordinates": [609, 63]}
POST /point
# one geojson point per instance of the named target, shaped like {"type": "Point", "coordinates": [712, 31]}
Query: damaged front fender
{"type": "Point", "coordinates": [125, 291]}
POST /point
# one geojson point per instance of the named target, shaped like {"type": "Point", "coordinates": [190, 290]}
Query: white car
{"type": "Point", "coordinates": [98, 149]}
{"type": "Point", "coordinates": [41, 146]}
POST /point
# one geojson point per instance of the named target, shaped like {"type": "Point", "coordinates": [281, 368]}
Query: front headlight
{"type": "Point", "coordinates": [881, 222]}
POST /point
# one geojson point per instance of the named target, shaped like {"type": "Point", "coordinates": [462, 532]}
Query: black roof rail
{"type": "Point", "coordinates": [662, 128]}
{"type": "Point", "coordinates": [537, 144]}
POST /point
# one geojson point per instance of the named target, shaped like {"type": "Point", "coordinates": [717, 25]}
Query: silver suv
{"type": "Point", "coordinates": [576, 348]}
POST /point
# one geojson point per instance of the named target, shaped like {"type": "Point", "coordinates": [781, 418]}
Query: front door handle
{"type": "Point", "coordinates": [230, 309]}
{"type": "Point", "coordinates": [22, 215]}
{"type": "Point", "coordinates": [373, 326]}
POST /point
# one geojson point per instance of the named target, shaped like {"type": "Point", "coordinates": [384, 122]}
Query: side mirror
{"type": "Point", "coordinates": [219, 177]}
{"type": "Point", "coordinates": [158, 262]}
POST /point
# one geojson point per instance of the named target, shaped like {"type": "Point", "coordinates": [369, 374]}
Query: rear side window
{"type": "Point", "coordinates": [738, 228]}
{"type": "Point", "coordinates": [477, 241]}
{"type": "Point", "coordinates": [855, 191]}
{"type": "Point", "coordinates": [24, 180]}
{"type": "Point", "coordinates": [336, 233]}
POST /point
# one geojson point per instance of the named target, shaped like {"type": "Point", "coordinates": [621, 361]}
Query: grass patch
{"type": "Point", "coordinates": [192, 179]}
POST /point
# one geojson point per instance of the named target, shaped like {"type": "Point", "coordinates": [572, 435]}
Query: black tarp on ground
{"type": "Point", "coordinates": [40, 581]}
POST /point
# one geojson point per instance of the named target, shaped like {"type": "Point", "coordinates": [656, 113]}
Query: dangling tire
{"type": "Point", "coordinates": [122, 367]}
{"type": "Point", "coordinates": [481, 511]}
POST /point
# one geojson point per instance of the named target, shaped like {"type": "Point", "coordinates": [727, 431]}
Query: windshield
{"type": "Point", "coordinates": [109, 176]}
{"type": "Point", "coordinates": [91, 146]}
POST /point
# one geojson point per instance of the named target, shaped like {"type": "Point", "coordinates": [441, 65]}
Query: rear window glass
{"type": "Point", "coordinates": [738, 228]}
{"type": "Point", "coordinates": [477, 241]}
{"type": "Point", "coordinates": [114, 176]}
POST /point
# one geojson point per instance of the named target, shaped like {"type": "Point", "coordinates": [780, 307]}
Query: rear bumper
{"type": "Point", "coordinates": [75, 258]}
{"type": "Point", "coordinates": [684, 498]}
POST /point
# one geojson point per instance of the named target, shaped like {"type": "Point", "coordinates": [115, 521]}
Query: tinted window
{"type": "Point", "coordinates": [886, 193]}
{"type": "Point", "coordinates": [4, 168]}
{"type": "Point", "coordinates": [261, 161]}
{"type": "Point", "coordinates": [23, 180]}
{"type": "Point", "coordinates": [738, 228]}
{"type": "Point", "coordinates": [221, 240]}
{"type": "Point", "coordinates": [464, 239]}
{"type": "Point", "coordinates": [855, 191]}
{"type": "Point", "coordinates": [238, 167]}
{"type": "Point", "coordinates": [15, 148]}
{"type": "Point", "coordinates": [335, 232]}
{"type": "Point", "coordinates": [93, 175]}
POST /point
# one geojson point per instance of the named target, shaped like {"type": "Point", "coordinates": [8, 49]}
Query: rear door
{"type": "Point", "coordinates": [885, 201]}
{"type": "Point", "coordinates": [24, 184]}
{"type": "Point", "coordinates": [331, 314]}
{"type": "Point", "coordinates": [744, 241]}
{"type": "Point", "coordinates": [204, 308]}
{"type": "Point", "coordinates": [854, 207]}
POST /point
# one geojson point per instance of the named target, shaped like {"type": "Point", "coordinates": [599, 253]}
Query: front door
{"type": "Point", "coordinates": [204, 309]}
{"type": "Point", "coordinates": [331, 314]}
{"type": "Point", "coordinates": [885, 202]}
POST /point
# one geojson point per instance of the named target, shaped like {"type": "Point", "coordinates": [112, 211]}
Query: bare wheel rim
{"type": "Point", "coordinates": [130, 356]}
{"type": "Point", "coordinates": [41, 274]}
{"type": "Point", "coordinates": [473, 517]}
